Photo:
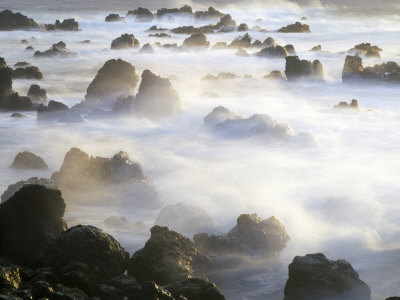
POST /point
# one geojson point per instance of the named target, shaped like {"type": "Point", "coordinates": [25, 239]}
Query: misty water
{"type": "Point", "coordinates": [339, 196]}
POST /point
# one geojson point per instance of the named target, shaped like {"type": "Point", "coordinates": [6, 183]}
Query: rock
{"type": "Point", "coordinates": [211, 13]}
{"type": "Point", "coordinates": [345, 105]}
{"type": "Point", "coordinates": [186, 9]}
{"type": "Point", "coordinates": [192, 30]}
{"type": "Point", "coordinates": [156, 97]}
{"type": "Point", "coordinates": [290, 49]}
{"type": "Point", "coordinates": [160, 35]}
{"type": "Point", "coordinates": [27, 73]}
{"type": "Point", "coordinates": [58, 112]}
{"type": "Point", "coordinates": [10, 280]}
{"type": "Point", "coordinates": [220, 45]}
{"type": "Point", "coordinates": [100, 254]}
{"type": "Point", "coordinates": [316, 48]}
{"type": "Point", "coordinates": [366, 49]}
{"type": "Point", "coordinates": [114, 18]}
{"type": "Point", "coordinates": [393, 298]}
{"type": "Point", "coordinates": [3, 63]}
{"type": "Point", "coordinates": [195, 288]}
{"type": "Point", "coordinates": [125, 41]}
{"type": "Point", "coordinates": [37, 94]}
{"type": "Point", "coordinates": [28, 160]}
{"type": "Point", "coordinates": [296, 28]}
{"type": "Point", "coordinates": [315, 277]}
{"type": "Point", "coordinates": [22, 64]}
{"type": "Point", "coordinates": [66, 25]}
{"type": "Point", "coordinates": [241, 42]}
{"type": "Point", "coordinates": [29, 48]}
{"type": "Point", "coordinates": [42, 289]}
{"type": "Point", "coordinates": [123, 105]}
{"type": "Point", "coordinates": [242, 52]}
{"type": "Point", "coordinates": [147, 48]}
{"type": "Point", "coordinates": [23, 41]}
{"type": "Point", "coordinates": [243, 27]}
{"type": "Point", "coordinates": [196, 40]}
{"type": "Point", "coordinates": [227, 75]}
{"type": "Point", "coordinates": [16, 102]}
{"type": "Point", "coordinates": [277, 52]}
{"type": "Point", "coordinates": [141, 14]}
{"type": "Point", "coordinates": [353, 68]}
{"type": "Point", "coordinates": [226, 21]}
{"type": "Point", "coordinates": [5, 82]}
{"type": "Point", "coordinates": [276, 75]}
{"type": "Point", "coordinates": [17, 115]}
{"type": "Point", "coordinates": [13, 21]}
{"type": "Point", "coordinates": [185, 218]}
{"type": "Point", "coordinates": [30, 221]}
{"type": "Point", "coordinates": [167, 257]}
{"type": "Point", "coordinates": [58, 49]}
{"type": "Point", "coordinates": [67, 293]}
{"type": "Point", "coordinates": [12, 188]}
{"type": "Point", "coordinates": [116, 78]}
{"type": "Point", "coordinates": [155, 28]}
{"type": "Point", "coordinates": [150, 290]}
{"type": "Point", "coordinates": [303, 69]}
{"type": "Point", "coordinates": [219, 114]}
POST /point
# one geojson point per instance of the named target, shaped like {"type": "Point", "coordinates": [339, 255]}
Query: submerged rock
{"type": "Point", "coordinates": [125, 41]}
{"type": "Point", "coordinates": [142, 14]}
{"type": "Point", "coordinates": [313, 277]}
{"type": "Point", "coordinates": [114, 18]}
{"type": "Point", "coordinates": [303, 69]}
{"type": "Point", "coordinates": [12, 188]}
{"type": "Point", "coordinates": [296, 28]}
{"type": "Point", "coordinates": [31, 72]}
{"type": "Point", "coordinates": [13, 21]}
{"type": "Point", "coordinates": [28, 160]}
{"type": "Point", "coordinates": [37, 94]}
{"type": "Point", "coordinates": [366, 49]}
{"type": "Point", "coordinates": [66, 25]}
{"type": "Point", "coordinates": [186, 9]}
{"type": "Point", "coordinates": [147, 48]}
{"type": "Point", "coordinates": [225, 23]}
{"type": "Point", "coordinates": [290, 49]}
{"type": "Point", "coordinates": [196, 40]}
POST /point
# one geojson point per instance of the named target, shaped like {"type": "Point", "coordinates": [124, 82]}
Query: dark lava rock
{"type": "Point", "coordinates": [366, 49]}
{"type": "Point", "coordinates": [37, 94]}
{"type": "Point", "coordinates": [277, 52]}
{"type": "Point", "coordinates": [313, 277]}
{"type": "Point", "coordinates": [243, 27]}
{"type": "Point", "coordinates": [296, 28]}
{"type": "Point", "coordinates": [345, 105]}
{"type": "Point", "coordinates": [211, 13]}
{"type": "Point", "coordinates": [114, 18]}
{"type": "Point", "coordinates": [156, 97]}
{"type": "Point", "coordinates": [12, 188]}
{"type": "Point", "coordinates": [195, 288]}
{"type": "Point", "coordinates": [58, 49]}
{"type": "Point", "coordinates": [5, 82]}
{"type": "Point", "coordinates": [147, 48]}
{"type": "Point", "coordinates": [276, 75]}
{"type": "Point", "coordinates": [12, 21]}
{"type": "Point", "coordinates": [16, 102]}
{"type": "Point", "coordinates": [116, 78]}
{"type": "Point", "coordinates": [2, 62]}
{"type": "Point", "coordinates": [303, 69]}
{"type": "Point", "coordinates": [167, 257]}
{"type": "Point", "coordinates": [30, 221]}
{"type": "Point", "coordinates": [125, 41]}
{"type": "Point", "coordinates": [66, 25]}
{"type": "Point", "coordinates": [27, 73]}
{"type": "Point", "coordinates": [28, 160]}
{"type": "Point", "coordinates": [316, 48]}
{"type": "Point", "coordinates": [99, 252]}
{"type": "Point", "coordinates": [57, 111]}
{"type": "Point", "coordinates": [196, 40]}
{"type": "Point", "coordinates": [142, 14]}
{"type": "Point", "coordinates": [10, 280]}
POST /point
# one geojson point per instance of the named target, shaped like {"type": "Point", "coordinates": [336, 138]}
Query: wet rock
{"type": "Point", "coordinates": [366, 49]}
{"type": "Point", "coordinates": [275, 52]}
{"type": "Point", "coordinates": [30, 221]}
{"type": "Point", "coordinates": [28, 160]}
{"type": "Point", "coordinates": [195, 288]}
{"type": "Point", "coordinates": [16, 102]}
{"type": "Point", "coordinates": [242, 52]}
{"type": "Point", "coordinates": [10, 280]}
{"type": "Point", "coordinates": [316, 48]}
{"type": "Point", "coordinates": [116, 78]}
{"type": "Point", "coordinates": [211, 13]}
{"type": "Point", "coordinates": [58, 112]}
{"type": "Point", "coordinates": [345, 105]}
{"type": "Point", "coordinates": [315, 277]}
{"type": "Point", "coordinates": [196, 40]}
{"type": "Point", "coordinates": [243, 27]}
{"type": "Point", "coordinates": [125, 41]}
{"type": "Point", "coordinates": [241, 42]}
{"type": "Point", "coordinates": [147, 48]}
{"type": "Point", "coordinates": [13, 21]}
{"type": "Point", "coordinates": [59, 49]}
{"type": "Point", "coordinates": [167, 257]}
{"type": "Point", "coordinates": [160, 35]}
{"type": "Point", "coordinates": [276, 75]}
{"type": "Point", "coordinates": [100, 254]}
{"type": "Point", "coordinates": [141, 14]}
{"type": "Point", "coordinates": [303, 69]}
{"type": "Point", "coordinates": [67, 293]}
{"type": "Point", "coordinates": [114, 18]}
{"type": "Point", "coordinates": [66, 25]}
{"type": "Point", "coordinates": [37, 94]}
{"type": "Point", "coordinates": [296, 28]}
{"type": "Point", "coordinates": [156, 97]}
{"type": "Point", "coordinates": [12, 188]}
{"type": "Point", "coordinates": [5, 82]}
{"type": "Point", "coordinates": [27, 73]}
{"type": "Point", "coordinates": [192, 30]}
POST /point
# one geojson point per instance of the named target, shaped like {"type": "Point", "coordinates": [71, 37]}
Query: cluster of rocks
{"type": "Point", "coordinates": [303, 69]}
{"type": "Point", "coordinates": [295, 28]}
{"type": "Point", "coordinates": [125, 41]}
{"type": "Point", "coordinates": [13, 21]}
{"type": "Point", "coordinates": [65, 25]}
{"type": "Point", "coordinates": [366, 49]}
{"type": "Point", "coordinates": [30, 72]}
{"type": "Point", "coordinates": [344, 105]}
{"type": "Point", "coordinates": [59, 49]}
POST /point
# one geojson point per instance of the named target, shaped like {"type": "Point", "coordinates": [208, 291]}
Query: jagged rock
{"type": "Point", "coordinates": [125, 41]}
{"type": "Point", "coordinates": [12, 21]}
{"type": "Point", "coordinates": [10, 280]}
{"type": "Point", "coordinates": [57, 111]}
{"type": "Point", "coordinates": [142, 14]}
{"type": "Point", "coordinates": [241, 42]}
{"type": "Point", "coordinates": [59, 49]}
{"type": "Point", "coordinates": [242, 52]}
{"type": "Point", "coordinates": [196, 40]}
{"type": "Point", "coordinates": [5, 82]}
{"type": "Point", "coordinates": [290, 49]}
{"type": "Point", "coordinates": [27, 73]}
{"type": "Point", "coordinates": [345, 105]}
{"type": "Point", "coordinates": [303, 69]}
{"type": "Point", "coordinates": [315, 277]}
{"type": "Point", "coordinates": [277, 52]}
{"type": "Point", "coordinates": [155, 28]}
{"type": "Point", "coordinates": [16, 102]}
{"type": "Point", "coordinates": [276, 75]}
{"type": "Point", "coordinates": [366, 49]}
{"type": "Point", "coordinates": [116, 78]}
{"type": "Point", "coordinates": [21, 64]}
{"type": "Point", "coordinates": [114, 18]}
{"type": "Point", "coordinates": [156, 97]}
{"type": "Point", "coordinates": [192, 30]}
{"type": "Point", "coordinates": [167, 257]}
{"type": "Point", "coordinates": [30, 221]}
{"type": "Point", "coordinates": [186, 9]}
{"type": "Point", "coordinates": [89, 250]}
{"type": "Point", "coordinates": [316, 48]}
{"type": "Point", "coordinates": [160, 35]}
{"type": "Point", "coordinates": [147, 48]}
{"type": "Point", "coordinates": [243, 27]}
{"type": "Point", "coordinates": [195, 288]}
{"type": "Point", "coordinates": [66, 25]}
{"type": "Point", "coordinates": [185, 218]}
{"type": "Point", "coordinates": [28, 160]}
{"type": "Point", "coordinates": [296, 28]}
{"type": "Point", "coordinates": [37, 94]}
{"type": "Point", "coordinates": [226, 21]}
{"type": "Point", "coordinates": [211, 13]}
{"type": "Point", "coordinates": [12, 188]}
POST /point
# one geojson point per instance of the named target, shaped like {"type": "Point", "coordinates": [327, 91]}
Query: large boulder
{"type": "Point", "coordinates": [37, 94]}
{"type": "Point", "coordinates": [196, 40]}
{"type": "Point", "coordinates": [303, 69]}
{"type": "Point", "coordinates": [314, 277]}
{"type": "Point", "coordinates": [296, 28]}
{"type": "Point", "coordinates": [28, 160]}
{"type": "Point", "coordinates": [156, 97]}
{"type": "Point", "coordinates": [30, 221]}
{"type": "Point", "coordinates": [241, 42]}
{"type": "Point", "coordinates": [195, 289]}
{"type": "Point", "coordinates": [116, 78]}
{"type": "Point", "coordinates": [66, 25]}
{"type": "Point", "coordinates": [12, 21]}
{"type": "Point", "coordinates": [125, 41]}
{"type": "Point", "coordinates": [5, 82]}
{"type": "Point", "coordinates": [168, 257]}
{"type": "Point", "coordinates": [142, 14]}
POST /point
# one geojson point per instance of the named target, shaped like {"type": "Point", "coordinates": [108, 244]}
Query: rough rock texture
{"type": "Point", "coordinates": [30, 221]}
{"type": "Point", "coordinates": [12, 21]}
{"type": "Point", "coordinates": [36, 94]}
{"type": "Point", "coordinates": [156, 97]}
{"type": "Point", "coordinates": [10, 280]}
{"type": "Point", "coordinates": [16, 102]}
{"type": "Point", "coordinates": [28, 160]}
{"type": "Point", "coordinates": [31, 72]}
{"type": "Point", "coordinates": [167, 257]}
{"type": "Point", "coordinates": [345, 105]}
{"type": "Point", "coordinates": [313, 277]}
{"type": "Point", "coordinates": [366, 49]}
{"type": "Point", "coordinates": [116, 78]}
{"type": "Point", "coordinates": [273, 51]}
{"type": "Point", "coordinates": [303, 69]}
{"type": "Point", "coordinates": [125, 41]}
{"type": "Point", "coordinates": [114, 18]}
{"type": "Point", "coordinates": [268, 42]}
{"type": "Point", "coordinates": [5, 82]}
{"type": "Point", "coordinates": [296, 27]}
{"type": "Point", "coordinates": [142, 14]}
{"type": "Point", "coordinates": [195, 289]}
{"type": "Point", "coordinates": [66, 25]}
{"type": "Point", "coordinates": [226, 24]}
{"type": "Point", "coordinates": [196, 40]}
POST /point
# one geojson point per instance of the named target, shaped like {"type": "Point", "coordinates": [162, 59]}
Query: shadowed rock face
{"type": "Point", "coordinates": [196, 40]}
{"type": "Point", "coordinates": [295, 28]}
{"type": "Point", "coordinates": [195, 288]}
{"type": "Point", "coordinates": [28, 160]}
{"type": "Point", "coordinates": [37, 94]}
{"type": "Point", "coordinates": [12, 21]}
{"type": "Point", "coordinates": [12, 188]}
{"type": "Point", "coordinates": [5, 81]}
{"type": "Point", "coordinates": [116, 78]}
{"type": "Point", "coordinates": [303, 69]}
{"type": "Point", "coordinates": [186, 9]}
{"type": "Point", "coordinates": [59, 49]}
{"type": "Point", "coordinates": [30, 221]}
{"type": "Point", "coordinates": [125, 41]}
{"type": "Point", "coordinates": [31, 72]}
{"type": "Point", "coordinates": [16, 102]}
{"type": "Point", "coordinates": [156, 97]}
{"type": "Point", "coordinates": [167, 257]}
{"type": "Point", "coordinates": [314, 277]}
{"type": "Point", "coordinates": [211, 13]}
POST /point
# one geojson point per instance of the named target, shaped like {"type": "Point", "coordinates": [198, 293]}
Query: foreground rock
{"type": "Point", "coordinates": [295, 28]}
{"type": "Point", "coordinates": [366, 49]}
{"type": "Point", "coordinates": [313, 277]}
{"type": "Point", "coordinates": [65, 25]}
{"type": "Point", "coordinates": [10, 280]}
{"type": "Point", "coordinates": [28, 160]}
{"type": "Point", "coordinates": [116, 78]}
{"type": "Point", "coordinates": [37, 94]}
{"type": "Point", "coordinates": [13, 21]}
{"type": "Point", "coordinates": [303, 69]}
{"type": "Point", "coordinates": [125, 41]}
{"type": "Point", "coordinates": [30, 222]}
{"type": "Point", "coordinates": [12, 188]}
{"type": "Point", "coordinates": [156, 97]}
